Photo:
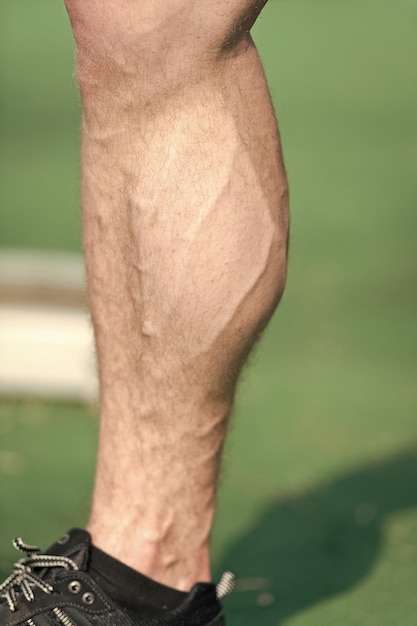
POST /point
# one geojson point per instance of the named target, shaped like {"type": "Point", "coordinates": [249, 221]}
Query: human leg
{"type": "Point", "coordinates": [185, 233]}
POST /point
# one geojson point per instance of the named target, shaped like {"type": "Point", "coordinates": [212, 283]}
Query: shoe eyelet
{"type": "Point", "coordinates": [64, 539]}
{"type": "Point", "coordinates": [88, 598]}
{"type": "Point", "coordinates": [74, 586]}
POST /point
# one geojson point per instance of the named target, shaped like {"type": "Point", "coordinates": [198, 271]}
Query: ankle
{"type": "Point", "coordinates": [177, 564]}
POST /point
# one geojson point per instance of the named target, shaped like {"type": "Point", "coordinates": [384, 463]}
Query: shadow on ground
{"type": "Point", "coordinates": [309, 547]}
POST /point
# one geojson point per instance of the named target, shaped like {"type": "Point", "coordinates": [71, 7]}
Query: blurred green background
{"type": "Point", "coordinates": [318, 506]}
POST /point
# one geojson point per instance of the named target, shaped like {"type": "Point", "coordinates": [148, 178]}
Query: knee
{"type": "Point", "coordinates": [156, 40]}
{"type": "Point", "coordinates": [117, 37]}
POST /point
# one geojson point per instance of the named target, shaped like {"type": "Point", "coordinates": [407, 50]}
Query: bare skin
{"type": "Point", "coordinates": [185, 209]}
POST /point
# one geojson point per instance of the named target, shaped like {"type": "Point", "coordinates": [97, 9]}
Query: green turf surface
{"type": "Point", "coordinates": [319, 494]}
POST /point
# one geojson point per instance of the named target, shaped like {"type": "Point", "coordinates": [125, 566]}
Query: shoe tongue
{"type": "Point", "coordinates": [75, 545]}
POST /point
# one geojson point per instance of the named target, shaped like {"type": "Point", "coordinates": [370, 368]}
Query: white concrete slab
{"type": "Point", "coordinates": [46, 342]}
{"type": "Point", "coordinates": [46, 352]}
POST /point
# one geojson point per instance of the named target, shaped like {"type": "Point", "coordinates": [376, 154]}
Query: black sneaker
{"type": "Point", "coordinates": [75, 584]}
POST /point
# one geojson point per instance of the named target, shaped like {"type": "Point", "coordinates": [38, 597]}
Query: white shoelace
{"type": "Point", "coordinates": [226, 585]}
{"type": "Point", "coordinates": [23, 579]}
